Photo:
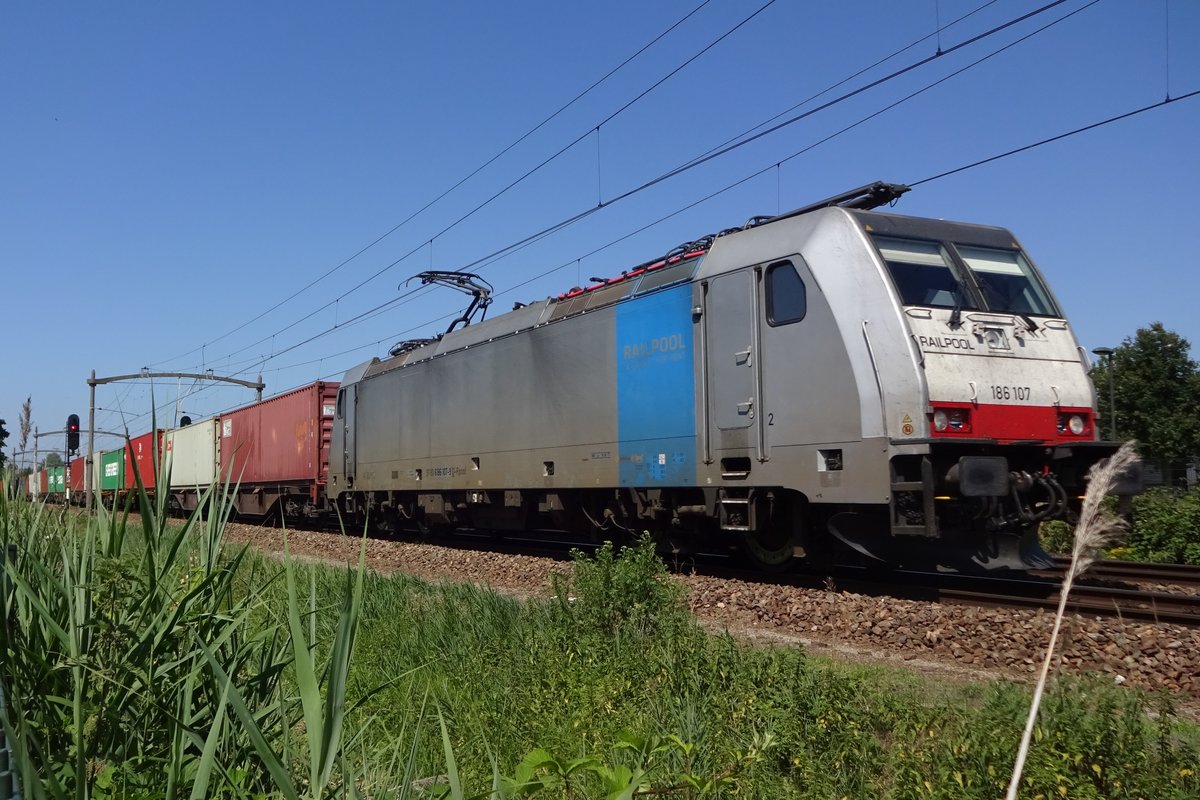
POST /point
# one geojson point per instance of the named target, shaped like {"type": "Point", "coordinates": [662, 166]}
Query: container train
{"type": "Point", "coordinates": [832, 380]}
{"type": "Point", "coordinates": [272, 455]}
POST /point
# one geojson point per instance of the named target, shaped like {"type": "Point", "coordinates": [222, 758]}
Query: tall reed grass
{"type": "Point", "coordinates": [1095, 530]}
{"type": "Point", "coordinates": [144, 660]}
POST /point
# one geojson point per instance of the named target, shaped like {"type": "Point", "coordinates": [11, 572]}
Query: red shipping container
{"type": "Point", "coordinates": [43, 479]}
{"type": "Point", "coordinates": [77, 470]}
{"type": "Point", "coordinates": [284, 440]}
{"type": "Point", "coordinates": [141, 449]}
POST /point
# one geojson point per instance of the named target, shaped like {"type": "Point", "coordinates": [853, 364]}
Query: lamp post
{"type": "Point", "coordinates": [1106, 353]}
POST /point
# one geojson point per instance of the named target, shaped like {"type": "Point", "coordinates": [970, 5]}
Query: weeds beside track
{"type": "Point", "coordinates": [202, 671]}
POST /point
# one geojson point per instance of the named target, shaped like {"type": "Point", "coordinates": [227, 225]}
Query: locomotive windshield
{"type": "Point", "coordinates": [924, 273]}
{"type": "Point", "coordinates": [969, 277]}
{"type": "Point", "coordinates": [1006, 281]}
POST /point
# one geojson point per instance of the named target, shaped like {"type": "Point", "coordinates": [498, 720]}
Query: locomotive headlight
{"type": "Point", "coordinates": [951, 420]}
{"type": "Point", "coordinates": [1075, 424]}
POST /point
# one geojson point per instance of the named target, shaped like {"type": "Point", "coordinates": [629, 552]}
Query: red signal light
{"type": "Point", "coordinates": [73, 433]}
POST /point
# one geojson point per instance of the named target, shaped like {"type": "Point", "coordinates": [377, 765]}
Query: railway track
{"type": "Point", "coordinates": [1033, 590]}
{"type": "Point", "coordinates": [1107, 601]}
{"type": "Point", "coordinates": [1174, 574]}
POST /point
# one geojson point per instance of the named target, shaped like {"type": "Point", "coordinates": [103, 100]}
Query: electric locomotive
{"type": "Point", "coordinates": [832, 380]}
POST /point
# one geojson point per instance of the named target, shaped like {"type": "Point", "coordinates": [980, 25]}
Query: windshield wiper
{"type": "Point", "coordinates": [956, 317]}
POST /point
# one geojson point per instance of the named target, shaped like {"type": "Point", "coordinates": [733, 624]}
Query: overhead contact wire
{"type": "Point", "coordinates": [849, 78]}
{"type": "Point", "coordinates": [463, 180]}
{"type": "Point", "coordinates": [538, 167]}
{"type": "Point", "coordinates": [587, 212]}
{"type": "Point", "coordinates": [1168, 101]}
{"type": "Point", "coordinates": [508, 249]}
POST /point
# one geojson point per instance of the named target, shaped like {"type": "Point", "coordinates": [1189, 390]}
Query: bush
{"type": "Point", "coordinates": [1166, 526]}
{"type": "Point", "coordinates": [625, 592]}
{"type": "Point", "coordinates": [1056, 536]}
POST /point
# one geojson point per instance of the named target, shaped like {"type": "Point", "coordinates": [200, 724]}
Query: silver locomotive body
{"type": "Point", "coordinates": [906, 386]}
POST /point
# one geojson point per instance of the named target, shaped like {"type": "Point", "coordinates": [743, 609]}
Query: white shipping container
{"type": "Point", "coordinates": [192, 454]}
{"type": "Point", "coordinates": [97, 470]}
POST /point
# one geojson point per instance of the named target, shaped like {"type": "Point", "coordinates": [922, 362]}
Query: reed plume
{"type": "Point", "coordinates": [1096, 529]}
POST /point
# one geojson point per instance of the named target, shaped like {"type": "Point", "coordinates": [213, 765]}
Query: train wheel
{"type": "Point", "coordinates": [773, 545]}
{"type": "Point", "coordinates": [767, 551]}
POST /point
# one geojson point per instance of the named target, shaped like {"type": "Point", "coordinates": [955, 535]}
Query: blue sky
{"type": "Point", "coordinates": [169, 171]}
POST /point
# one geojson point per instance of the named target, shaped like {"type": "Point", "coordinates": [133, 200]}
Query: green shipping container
{"type": "Point", "coordinates": [112, 470]}
{"type": "Point", "coordinates": [56, 480]}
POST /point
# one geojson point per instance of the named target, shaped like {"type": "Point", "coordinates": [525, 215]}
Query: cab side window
{"type": "Point", "coordinates": [787, 299]}
{"type": "Point", "coordinates": [341, 403]}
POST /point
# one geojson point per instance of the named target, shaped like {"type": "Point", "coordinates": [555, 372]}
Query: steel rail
{"type": "Point", "coordinates": [1180, 574]}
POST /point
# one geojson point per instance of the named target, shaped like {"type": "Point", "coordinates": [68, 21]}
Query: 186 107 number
{"type": "Point", "coordinates": [1011, 393]}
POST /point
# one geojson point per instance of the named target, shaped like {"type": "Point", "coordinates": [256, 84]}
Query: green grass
{"type": "Point", "coordinates": [572, 677]}
{"type": "Point", "coordinates": [155, 661]}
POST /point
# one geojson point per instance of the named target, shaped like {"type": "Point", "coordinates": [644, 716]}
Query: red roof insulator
{"type": "Point", "coordinates": [656, 265]}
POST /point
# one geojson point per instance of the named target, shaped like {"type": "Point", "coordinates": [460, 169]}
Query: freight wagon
{"type": "Point", "coordinates": [273, 455]}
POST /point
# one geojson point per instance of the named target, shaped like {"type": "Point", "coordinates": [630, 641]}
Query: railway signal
{"type": "Point", "coordinates": [73, 434]}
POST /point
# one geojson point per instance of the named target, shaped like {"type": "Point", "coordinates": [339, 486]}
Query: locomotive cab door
{"type": "Point", "coordinates": [347, 401]}
{"type": "Point", "coordinates": [731, 345]}
{"type": "Point", "coordinates": [777, 370]}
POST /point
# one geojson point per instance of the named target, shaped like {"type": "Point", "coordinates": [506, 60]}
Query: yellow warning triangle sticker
{"type": "Point", "coordinates": [907, 418]}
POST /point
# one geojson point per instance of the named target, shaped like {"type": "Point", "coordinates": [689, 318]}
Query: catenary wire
{"type": "Point", "coordinates": [510, 248]}
{"type": "Point", "coordinates": [1161, 103]}
{"type": "Point", "coordinates": [558, 226]}
{"type": "Point", "coordinates": [978, 163]}
{"type": "Point", "coordinates": [665, 176]}
{"type": "Point", "coordinates": [848, 78]}
{"type": "Point", "coordinates": [521, 178]}
{"type": "Point", "coordinates": [500, 154]}
{"type": "Point", "coordinates": [929, 179]}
